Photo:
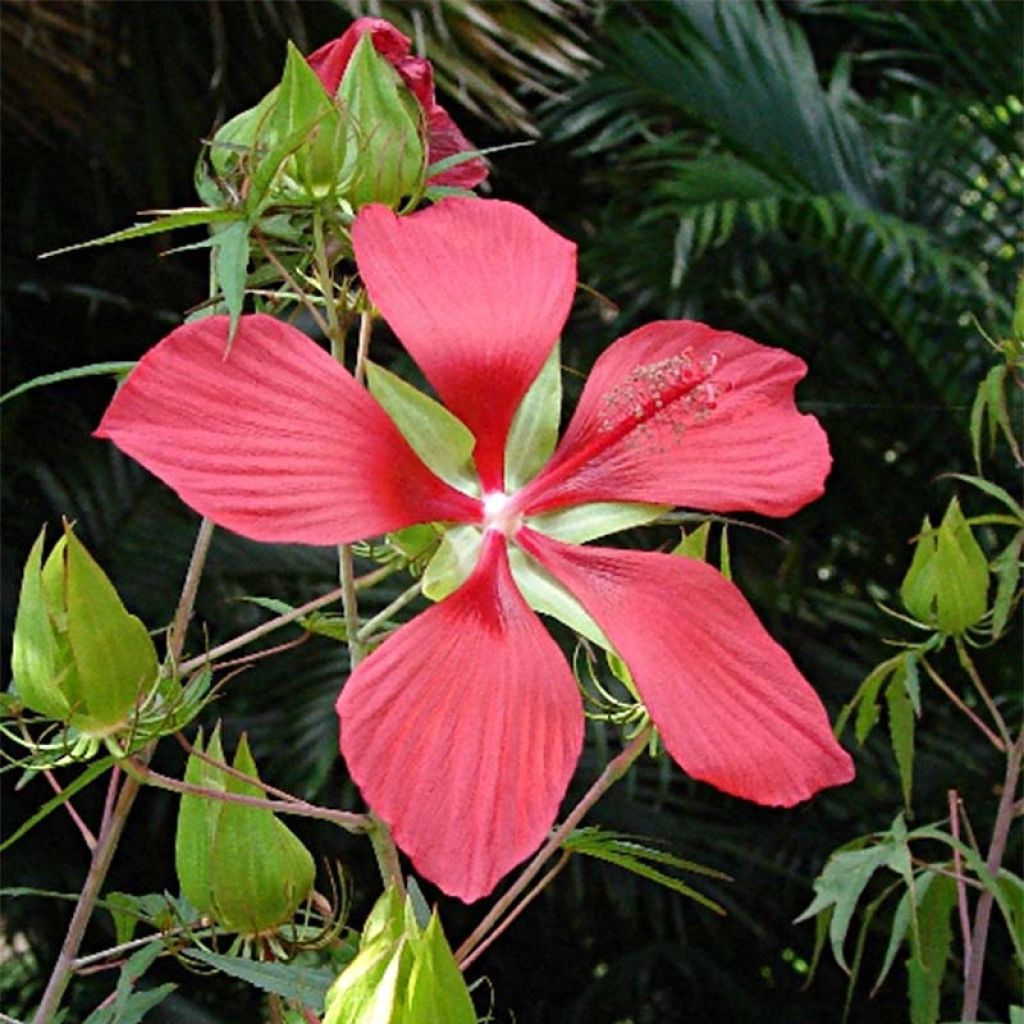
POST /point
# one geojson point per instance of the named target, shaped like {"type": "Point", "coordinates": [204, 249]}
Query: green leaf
{"type": "Point", "coordinates": [1006, 568]}
{"type": "Point", "coordinates": [724, 557]}
{"type": "Point", "coordinates": [231, 266]}
{"type": "Point", "coordinates": [636, 858]}
{"type": "Point", "coordinates": [94, 771]}
{"type": "Point", "coordinates": [306, 985]}
{"type": "Point", "coordinates": [129, 1006]}
{"type": "Point", "coordinates": [905, 911]}
{"type": "Point", "coordinates": [901, 731]}
{"type": "Point", "coordinates": [544, 594]}
{"type": "Point", "coordinates": [197, 824]}
{"type": "Point", "coordinates": [440, 439]}
{"type": "Point", "coordinates": [170, 221]}
{"type": "Point", "coordinates": [534, 431]}
{"type": "Point", "coordinates": [578, 524]}
{"type": "Point", "coordinates": [993, 491]}
{"type": "Point", "coordinates": [93, 370]}
{"type": "Point", "coordinates": [931, 945]}
{"type": "Point", "coordinates": [436, 990]}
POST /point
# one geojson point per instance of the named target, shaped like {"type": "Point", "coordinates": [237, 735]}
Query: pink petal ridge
{"type": "Point", "coordinates": [478, 291]}
{"type": "Point", "coordinates": [731, 707]}
{"type": "Point", "coordinates": [274, 440]}
{"type": "Point", "coordinates": [463, 729]}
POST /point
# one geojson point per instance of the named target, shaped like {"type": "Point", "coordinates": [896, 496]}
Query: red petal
{"type": "Point", "coordinates": [478, 291]}
{"type": "Point", "coordinates": [273, 440]}
{"type": "Point", "coordinates": [731, 706]}
{"type": "Point", "coordinates": [463, 730]}
{"type": "Point", "coordinates": [331, 59]}
{"type": "Point", "coordinates": [733, 441]}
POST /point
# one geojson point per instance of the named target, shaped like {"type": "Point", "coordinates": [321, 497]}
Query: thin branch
{"type": "Point", "coordinates": [87, 835]}
{"type": "Point", "coordinates": [968, 666]}
{"type": "Point", "coordinates": [300, 808]}
{"type": "Point", "coordinates": [958, 702]}
{"type": "Point", "coordinates": [189, 589]}
{"type": "Point", "coordinates": [290, 281]}
{"type": "Point", "coordinates": [368, 627]}
{"type": "Point", "coordinates": [363, 346]}
{"type": "Point", "coordinates": [517, 910]}
{"type": "Point", "coordinates": [613, 771]}
{"type": "Point", "coordinates": [961, 888]}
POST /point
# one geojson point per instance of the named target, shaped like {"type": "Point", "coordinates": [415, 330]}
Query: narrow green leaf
{"type": "Point", "coordinates": [931, 947]}
{"type": "Point", "coordinates": [905, 911]}
{"type": "Point", "coordinates": [1006, 568]}
{"type": "Point", "coordinates": [440, 439]}
{"type": "Point", "coordinates": [231, 265]}
{"type": "Point", "coordinates": [534, 431]}
{"type": "Point", "coordinates": [93, 370]}
{"type": "Point", "coordinates": [724, 558]}
{"type": "Point", "coordinates": [901, 731]}
{"type": "Point", "coordinates": [994, 491]}
{"type": "Point", "coordinates": [94, 771]}
{"type": "Point", "coordinates": [171, 221]}
{"type": "Point", "coordinates": [129, 1006]}
{"type": "Point", "coordinates": [294, 980]}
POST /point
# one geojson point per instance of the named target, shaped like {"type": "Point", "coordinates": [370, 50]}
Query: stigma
{"type": "Point", "coordinates": [499, 513]}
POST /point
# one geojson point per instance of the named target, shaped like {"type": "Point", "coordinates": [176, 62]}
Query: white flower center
{"type": "Point", "coordinates": [496, 513]}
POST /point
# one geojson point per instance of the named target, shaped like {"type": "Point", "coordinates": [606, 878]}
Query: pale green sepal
{"type": "Point", "coordinates": [544, 594]}
{"type": "Point", "coordinates": [581, 523]}
{"type": "Point", "coordinates": [695, 543]}
{"type": "Point", "coordinates": [441, 440]}
{"type": "Point", "coordinates": [197, 825]}
{"type": "Point", "coordinates": [113, 652]}
{"type": "Point", "coordinates": [436, 990]}
{"type": "Point", "coordinates": [453, 561]}
{"type": "Point", "coordinates": [35, 650]}
{"type": "Point", "coordinates": [304, 106]}
{"type": "Point", "coordinates": [385, 158]}
{"type": "Point", "coordinates": [246, 131]}
{"type": "Point", "coordinates": [534, 432]}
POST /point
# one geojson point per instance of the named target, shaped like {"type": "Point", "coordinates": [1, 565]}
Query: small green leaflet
{"type": "Point", "coordinates": [625, 852]}
{"type": "Point", "coordinates": [130, 1006]}
{"type": "Point", "coordinates": [305, 984]}
{"type": "Point", "coordinates": [119, 370]}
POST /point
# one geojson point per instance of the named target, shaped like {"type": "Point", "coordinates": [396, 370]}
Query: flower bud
{"type": "Point", "coordinates": [78, 655]}
{"type": "Point", "coordinates": [402, 974]}
{"type": "Point", "coordinates": [238, 865]}
{"type": "Point", "coordinates": [946, 586]}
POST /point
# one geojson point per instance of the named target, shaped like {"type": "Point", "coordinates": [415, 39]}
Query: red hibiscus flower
{"type": "Point", "coordinates": [443, 136]}
{"type": "Point", "coordinates": [463, 728]}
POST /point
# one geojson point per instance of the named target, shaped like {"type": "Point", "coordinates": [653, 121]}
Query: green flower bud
{"type": "Point", "coordinates": [946, 586]}
{"type": "Point", "coordinates": [402, 974]}
{"type": "Point", "coordinates": [384, 159]}
{"type": "Point", "coordinates": [78, 655]}
{"type": "Point", "coordinates": [238, 865]}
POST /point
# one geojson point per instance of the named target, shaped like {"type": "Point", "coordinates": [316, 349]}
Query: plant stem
{"type": "Point", "coordinates": [110, 834]}
{"type": "Point", "coordinates": [952, 695]}
{"type": "Point", "coordinates": [363, 345]}
{"type": "Point", "coordinates": [368, 627]}
{"type": "Point", "coordinates": [90, 839]}
{"type": "Point", "coordinates": [961, 887]}
{"type": "Point", "coordinates": [290, 281]}
{"type": "Point", "coordinates": [983, 912]}
{"type": "Point", "coordinates": [969, 668]}
{"type": "Point", "coordinates": [300, 808]}
{"type": "Point", "coordinates": [179, 626]}
{"type": "Point", "coordinates": [613, 771]}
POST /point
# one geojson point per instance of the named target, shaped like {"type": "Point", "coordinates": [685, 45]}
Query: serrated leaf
{"type": "Point", "coordinates": [297, 981]}
{"type": "Point", "coordinates": [993, 491]}
{"type": "Point", "coordinates": [119, 369]}
{"type": "Point", "coordinates": [172, 221]}
{"type": "Point", "coordinates": [231, 266]}
{"type": "Point", "coordinates": [129, 1006]}
{"type": "Point", "coordinates": [901, 920]}
{"type": "Point", "coordinates": [581, 523]}
{"type": "Point", "coordinates": [534, 431]}
{"type": "Point", "coordinates": [441, 440]}
{"type": "Point", "coordinates": [931, 945]}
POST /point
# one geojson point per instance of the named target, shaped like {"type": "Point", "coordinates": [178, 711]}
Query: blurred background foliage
{"type": "Point", "coordinates": [842, 179]}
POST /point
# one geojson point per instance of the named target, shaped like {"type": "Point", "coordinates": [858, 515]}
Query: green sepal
{"type": "Point", "coordinates": [581, 523]}
{"type": "Point", "coordinates": [946, 586]}
{"type": "Point", "coordinates": [454, 560]}
{"type": "Point", "coordinates": [114, 656]}
{"type": "Point", "coordinates": [260, 872]}
{"type": "Point", "coordinates": [35, 651]}
{"type": "Point", "coordinates": [441, 440]}
{"type": "Point", "coordinates": [243, 136]}
{"type": "Point", "coordinates": [302, 105]}
{"type": "Point", "coordinates": [534, 431]}
{"type": "Point", "coordinates": [384, 157]}
{"type": "Point", "coordinates": [695, 543]}
{"type": "Point", "coordinates": [436, 989]}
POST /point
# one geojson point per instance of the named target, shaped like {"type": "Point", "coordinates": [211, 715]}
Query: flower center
{"type": "Point", "coordinates": [500, 513]}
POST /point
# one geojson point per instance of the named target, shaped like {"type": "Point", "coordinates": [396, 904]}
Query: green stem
{"type": "Point", "coordinates": [370, 626]}
{"type": "Point", "coordinates": [614, 770]}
